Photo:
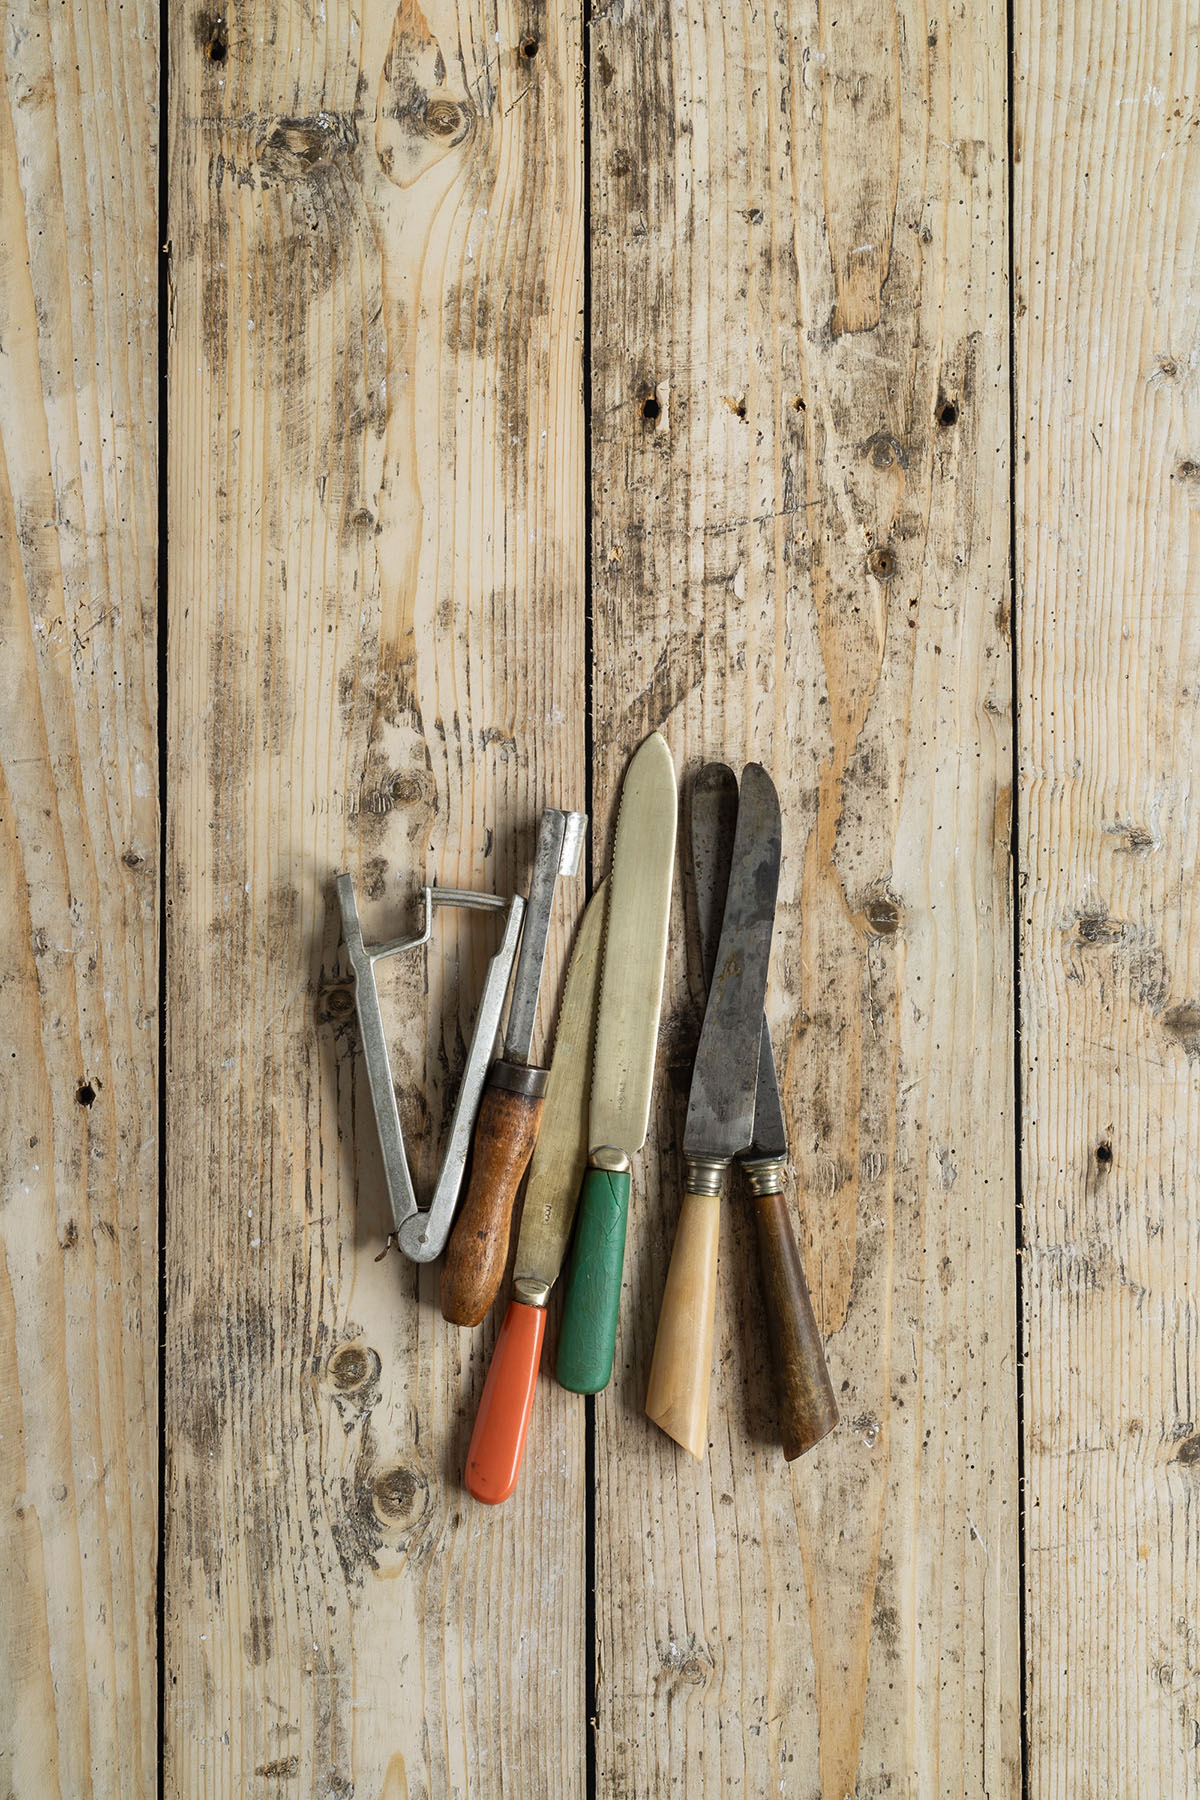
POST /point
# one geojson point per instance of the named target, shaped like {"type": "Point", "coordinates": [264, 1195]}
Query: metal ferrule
{"type": "Point", "coordinates": [519, 1078]}
{"type": "Point", "coordinates": [616, 1162]}
{"type": "Point", "coordinates": [706, 1174]}
{"type": "Point", "coordinates": [530, 1290]}
{"type": "Point", "coordinates": [764, 1174]}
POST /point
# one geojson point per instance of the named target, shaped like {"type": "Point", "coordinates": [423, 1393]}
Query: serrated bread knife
{"type": "Point", "coordinates": [631, 981]}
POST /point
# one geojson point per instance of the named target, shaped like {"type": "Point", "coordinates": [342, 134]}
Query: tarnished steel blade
{"type": "Point", "coordinates": [635, 948]}
{"type": "Point", "coordinates": [720, 1119]}
{"type": "Point", "coordinates": [560, 1157]}
{"type": "Point", "coordinates": [713, 827]}
{"type": "Point", "coordinates": [770, 1132]}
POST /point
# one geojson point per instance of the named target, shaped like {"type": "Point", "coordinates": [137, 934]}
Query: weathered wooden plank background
{"type": "Point", "coordinates": [537, 380]}
{"type": "Point", "coordinates": [79, 900]}
{"type": "Point", "coordinates": [1107, 314]}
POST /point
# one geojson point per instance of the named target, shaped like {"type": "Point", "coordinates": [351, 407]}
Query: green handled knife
{"type": "Point", "coordinates": [631, 981]}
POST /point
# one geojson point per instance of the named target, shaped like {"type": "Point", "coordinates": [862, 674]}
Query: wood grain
{"type": "Point", "coordinates": [78, 891]}
{"type": "Point", "coordinates": [375, 505]}
{"type": "Point", "coordinates": [800, 329]}
{"type": "Point", "coordinates": [1108, 515]}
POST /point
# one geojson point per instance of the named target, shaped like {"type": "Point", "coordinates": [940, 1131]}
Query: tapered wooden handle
{"type": "Point", "coordinates": [677, 1398]}
{"type": "Point", "coordinates": [502, 1422]}
{"type": "Point", "coordinates": [588, 1339]}
{"type": "Point", "coordinates": [807, 1408]}
{"type": "Point", "coordinates": [505, 1133]}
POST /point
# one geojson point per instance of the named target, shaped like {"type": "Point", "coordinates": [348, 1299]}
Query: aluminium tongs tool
{"type": "Point", "coordinates": [421, 1235]}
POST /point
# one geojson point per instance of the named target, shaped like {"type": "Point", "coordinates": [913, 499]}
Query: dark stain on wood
{"type": "Point", "coordinates": [258, 1638]}
{"type": "Point", "coordinates": [1182, 1024]}
{"type": "Point", "coordinates": [296, 149]}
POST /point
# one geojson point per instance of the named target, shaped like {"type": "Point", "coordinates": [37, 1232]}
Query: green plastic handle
{"type": "Point", "coordinates": [589, 1327]}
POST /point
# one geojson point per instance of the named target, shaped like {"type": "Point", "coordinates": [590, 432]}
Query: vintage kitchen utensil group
{"type": "Point", "coordinates": [584, 1120]}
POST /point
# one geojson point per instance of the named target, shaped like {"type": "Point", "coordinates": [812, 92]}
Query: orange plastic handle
{"type": "Point", "coordinates": [498, 1440]}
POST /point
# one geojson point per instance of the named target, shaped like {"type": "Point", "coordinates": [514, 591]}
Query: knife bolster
{"type": "Point", "coordinates": [530, 1290]}
{"type": "Point", "coordinates": [607, 1157]}
{"type": "Point", "coordinates": [764, 1175]}
{"type": "Point", "coordinates": [518, 1078]}
{"type": "Point", "coordinates": [706, 1174]}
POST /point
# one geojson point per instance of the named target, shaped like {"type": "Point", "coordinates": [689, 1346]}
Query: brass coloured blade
{"type": "Point", "coordinates": [560, 1157]}
{"type": "Point", "coordinates": [635, 948]}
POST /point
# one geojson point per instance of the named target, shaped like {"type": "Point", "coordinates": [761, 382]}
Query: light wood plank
{"type": "Point", "coordinates": [376, 656]}
{"type": "Point", "coordinates": [78, 892]}
{"type": "Point", "coordinates": [1108, 508]}
{"type": "Point", "coordinates": [800, 256]}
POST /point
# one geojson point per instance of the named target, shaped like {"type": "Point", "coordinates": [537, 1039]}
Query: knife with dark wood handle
{"type": "Point", "coordinates": [807, 1409]}
{"type": "Point", "coordinates": [511, 1108]}
{"type": "Point", "coordinates": [498, 1440]}
{"type": "Point", "coordinates": [720, 1115]}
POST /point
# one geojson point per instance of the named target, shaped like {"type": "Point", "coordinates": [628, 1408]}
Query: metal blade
{"type": "Point", "coordinates": [561, 1155]}
{"type": "Point", "coordinates": [770, 1133]}
{"type": "Point", "coordinates": [635, 948]}
{"type": "Point", "coordinates": [713, 827]}
{"type": "Point", "coordinates": [560, 840]}
{"type": "Point", "coordinates": [720, 1118]}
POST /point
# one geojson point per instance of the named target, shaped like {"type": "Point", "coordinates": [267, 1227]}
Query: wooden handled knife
{"type": "Point", "coordinates": [559, 1161]}
{"type": "Point", "coordinates": [635, 947]}
{"type": "Point", "coordinates": [720, 1118]}
{"type": "Point", "coordinates": [807, 1408]}
{"type": "Point", "coordinates": [511, 1108]}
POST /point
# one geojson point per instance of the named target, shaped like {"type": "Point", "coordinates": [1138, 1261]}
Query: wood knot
{"type": "Point", "coordinates": [293, 149]}
{"type": "Point", "coordinates": [882, 915]}
{"type": "Point", "coordinates": [353, 1366]}
{"type": "Point", "coordinates": [884, 451]}
{"type": "Point", "coordinates": [1189, 1452]}
{"type": "Point", "coordinates": [443, 118]}
{"type": "Point", "coordinates": [882, 563]}
{"type": "Point", "coordinates": [401, 1497]}
{"type": "Point", "coordinates": [1182, 1023]}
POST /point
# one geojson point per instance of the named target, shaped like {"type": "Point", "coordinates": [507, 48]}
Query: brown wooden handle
{"type": "Point", "coordinates": [505, 1133]}
{"type": "Point", "coordinates": [677, 1397]}
{"type": "Point", "coordinates": [807, 1408]}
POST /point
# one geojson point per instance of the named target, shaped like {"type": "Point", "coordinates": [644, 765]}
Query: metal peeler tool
{"type": "Point", "coordinates": [421, 1235]}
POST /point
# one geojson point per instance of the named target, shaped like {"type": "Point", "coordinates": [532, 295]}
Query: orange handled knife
{"type": "Point", "coordinates": [559, 1162]}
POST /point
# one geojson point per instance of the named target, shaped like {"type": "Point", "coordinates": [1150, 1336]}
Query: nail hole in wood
{"type": "Point", "coordinates": [650, 409]}
{"type": "Point", "coordinates": [882, 564]}
{"type": "Point", "coordinates": [85, 1093]}
{"type": "Point", "coordinates": [217, 47]}
{"type": "Point", "coordinates": [947, 413]}
{"type": "Point", "coordinates": [1104, 1155]}
{"type": "Point", "coordinates": [529, 46]}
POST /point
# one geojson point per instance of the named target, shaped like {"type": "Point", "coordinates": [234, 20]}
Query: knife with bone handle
{"type": "Point", "coordinates": [806, 1403]}
{"type": "Point", "coordinates": [509, 1115]}
{"type": "Point", "coordinates": [551, 1193]}
{"type": "Point", "coordinates": [631, 982]}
